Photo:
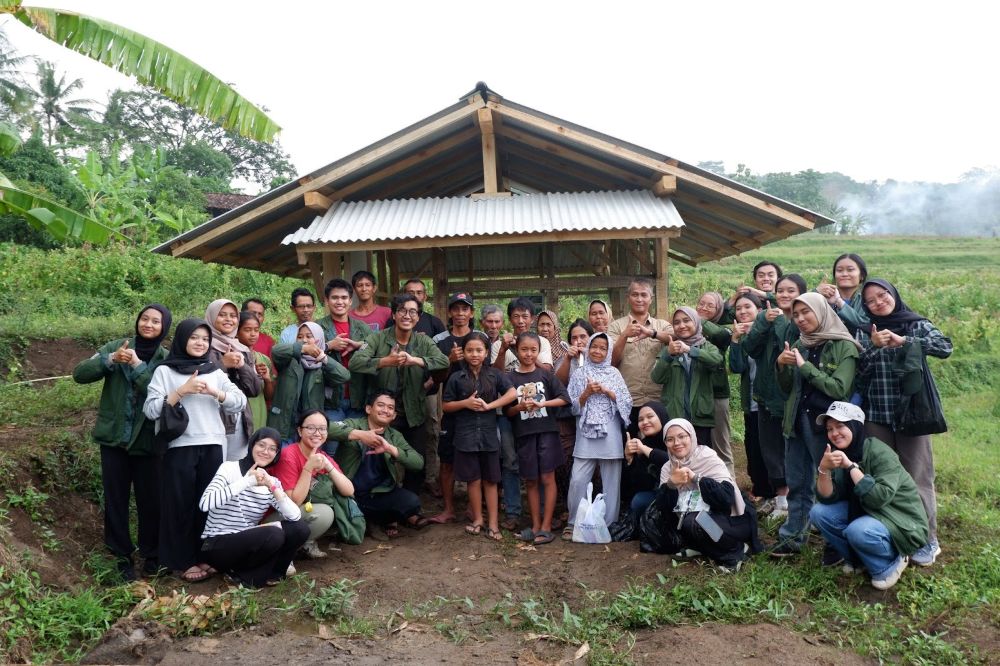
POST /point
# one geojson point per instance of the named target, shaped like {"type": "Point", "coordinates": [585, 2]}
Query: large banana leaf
{"type": "Point", "coordinates": [10, 140]}
{"type": "Point", "coordinates": [58, 220]}
{"type": "Point", "coordinates": [151, 62]}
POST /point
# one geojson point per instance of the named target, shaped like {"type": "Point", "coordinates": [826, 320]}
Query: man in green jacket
{"type": "Point", "coordinates": [344, 336]}
{"type": "Point", "coordinates": [400, 361]}
{"type": "Point", "coordinates": [368, 453]}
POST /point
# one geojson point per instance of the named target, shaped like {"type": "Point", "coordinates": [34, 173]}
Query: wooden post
{"type": "Point", "coordinates": [489, 142]}
{"type": "Point", "coordinates": [393, 259]}
{"type": "Point", "coordinates": [316, 272]}
{"type": "Point", "coordinates": [331, 269]}
{"type": "Point", "coordinates": [440, 271]}
{"type": "Point", "coordinates": [383, 277]}
{"type": "Point", "coordinates": [662, 276]}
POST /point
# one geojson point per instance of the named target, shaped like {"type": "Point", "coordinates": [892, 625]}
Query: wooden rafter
{"type": "Point", "coordinates": [279, 226]}
{"type": "Point", "coordinates": [557, 164]}
{"type": "Point", "coordinates": [491, 172]}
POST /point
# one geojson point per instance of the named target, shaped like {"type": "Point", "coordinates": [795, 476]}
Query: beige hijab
{"type": "Point", "coordinates": [704, 462]}
{"type": "Point", "coordinates": [220, 341]}
{"type": "Point", "coordinates": [830, 326]}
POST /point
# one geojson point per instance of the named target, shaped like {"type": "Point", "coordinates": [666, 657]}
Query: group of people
{"type": "Point", "coordinates": [243, 451]}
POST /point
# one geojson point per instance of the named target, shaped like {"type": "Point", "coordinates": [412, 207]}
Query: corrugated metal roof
{"type": "Point", "coordinates": [372, 221]}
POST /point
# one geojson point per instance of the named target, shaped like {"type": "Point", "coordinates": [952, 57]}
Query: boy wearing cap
{"type": "Point", "coordinates": [869, 510]}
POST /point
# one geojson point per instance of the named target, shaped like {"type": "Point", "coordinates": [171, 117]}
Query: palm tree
{"type": "Point", "coordinates": [153, 65]}
{"type": "Point", "coordinates": [15, 95]}
{"type": "Point", "coordinates": [52, 99]}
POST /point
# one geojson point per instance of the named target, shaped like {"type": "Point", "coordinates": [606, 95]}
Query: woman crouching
{"type": "Point", "coordinates": [235, 500]}
{"type": "Point", "coordinates": [869, 510]}
{"type": "Point", "coordinates": [711, 517]}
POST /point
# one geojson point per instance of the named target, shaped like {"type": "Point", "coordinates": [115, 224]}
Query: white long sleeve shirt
{"type": "Point", "coordinates": [204, 421]}
{"type": "Point", "coordinates": [235, 503]}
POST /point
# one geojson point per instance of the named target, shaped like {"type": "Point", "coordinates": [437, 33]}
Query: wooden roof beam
{"type": "Point", "coordinates": [491, 160]}
{"type": "Point", "coordinates": [598, 181]}
{"type": "Point", "coordinates": [318, 181]}
{"type": "Point", "coordinates": [664, 186]}
{"type": "Point", "coordinates": [316, 202]}
{"type": "Point", "coordinates": [657, 165]}
{"type": "Point", "coordinates": [282, 224]}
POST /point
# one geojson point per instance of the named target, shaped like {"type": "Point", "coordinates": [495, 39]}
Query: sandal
{"type": "Point", "coordinates": [417, 522]}
{"type": "Point", "coordinates": [495, 535]}
{"type": "Point", "coordinates": [527, 534]}
{"type": "Point", "coordinates": [543, 537]}
{"type": "Point", "coordinates": [391, 530]}
{"type": "Point", "coordinates": [509, 523]}
{"type": "Point", "coordinates": [473, 529]}
{"type": "Point", "coordinates": [567, 534]}
{"type": "Point", "coordinates": [195, 574]}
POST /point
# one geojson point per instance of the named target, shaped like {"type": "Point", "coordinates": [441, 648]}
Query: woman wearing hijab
{"type": "Point", "coordinates": [305, 376]}
{"type": "Point", "coordinates": [203, 391]}
{"type": "Point", "coordinates": [710, 515]}
{"type": "Point", "coordinates": [711, 308]}
{"type": "Point", "coordinates": [237, 361]}
{"type": "Point", "coordinates": [815, 371]}
{"type": "Point", "coordinates": [686, 368]}
{"type": "Point", "coordinates": [869, 510]}
{"type": "Point", "coordinates": [126, 437]}
{"type": "Point", "coordinates": [898, 334]}
{"type": "Point", "coordinates": [602, 403]}
{"type": "Point", "coordinates": [547, 324]}
{"type": "Point", "coordinates": [644, 458]}
{"type": "Point", "coordinates": [235, 500]}
{"type": "Point", "coordinates": [577, 337]}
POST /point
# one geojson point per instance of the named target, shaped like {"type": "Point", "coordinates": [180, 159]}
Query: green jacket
{"type": "Point", "coordinates": [298, 390]}
{"type": "Point", "coordinates": [380, 344]}
{"type": "Point", "coordinates": [739, 364]}
{"type": "Point", "coordinates": [120, 421]}
{"type": "Point", "coordinates": [689, 393]}
{"type": "Point", "coordinates": [763, 342]}
{"type": "Point", "coordinates": [888, 494]}
{"type": "Point", "coordinates": [349, 452]}
{"type": "Point", "coordinates": [359, 331]}
{"type": "Point", "coordinates": [838, 363]}
{"type": "Point", "coordinates": [720, 337]}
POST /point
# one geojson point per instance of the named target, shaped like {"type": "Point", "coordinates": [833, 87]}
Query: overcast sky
{"type": "Point", "coordinates": [876, 90]}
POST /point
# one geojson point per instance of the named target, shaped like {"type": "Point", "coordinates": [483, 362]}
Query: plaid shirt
{"type": "Point", "coordinates": [876, 381]}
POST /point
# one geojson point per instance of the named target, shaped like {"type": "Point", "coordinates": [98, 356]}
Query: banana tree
{"type": "Point", "coordinates": [151, 63]}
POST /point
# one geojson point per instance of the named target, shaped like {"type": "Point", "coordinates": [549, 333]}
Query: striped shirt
{"type": "Point", "coordinates": [876, 380]}
{"type": "Point", "coordinates": [235, 503]}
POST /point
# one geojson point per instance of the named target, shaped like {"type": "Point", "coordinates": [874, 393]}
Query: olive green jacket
{"type": "Point", "coordinates": [350, 452]}
{"type": "Point", "coordinates": [720, 337]}
{"type": "Point", "coordinates": [888, 494]}
{"type": "Point", "coordinates": [689, 394]}
{"type": "Point", "coordinates": [120, 421]}
{"type": "Point", "coordinates": [838, 363]}
{"type": "Point", "coordinates": [299, 390]}
{"type": "Point", "coordinates": [763, 342]}
{"type": "Point", "coordinates": [358, 331]}
{"type": "Point", "coordinates": [380, 344]}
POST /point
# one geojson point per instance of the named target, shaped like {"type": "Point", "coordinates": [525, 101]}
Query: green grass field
{"type": "Point", "coordinates": [931, 617]}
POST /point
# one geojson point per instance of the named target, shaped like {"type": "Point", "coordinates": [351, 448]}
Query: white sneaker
{"type": "Point", "coordinates": [780, 508]}
{"type": "Point", "coordinates": [891, 577]}
{"type": "Point", "coordinates": [290, 571]}
{"type": "Point", "coordinates": [311, 550]}
{"type": "Point", "coordinates": [850, 569]}
{"type": "Point", "coordinates": [927, 555]}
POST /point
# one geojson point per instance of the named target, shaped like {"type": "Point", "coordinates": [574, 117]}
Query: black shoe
{"type": "Point", "coordinates": [125, 569]}
{"type": "Point", "coordinates": [784, 549]}
{"type": "Point", "coordinates": [151, 568]}
{"type": "Point", "coordinates": [831, 557]}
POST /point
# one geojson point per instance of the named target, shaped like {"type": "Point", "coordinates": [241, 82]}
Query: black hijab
{"type": "Point", "coordinates": [655, 441]}
{"type": "Point", "coordinates": [898, 321]}
{"type": "Point", "coordinates": [264, 433]}
{"type": "Point", "coordinates": [178, 358]}
{"type": "Point", "coordinates": [145, 348]}
{"type": "Point", "coordinates": [854, 453]}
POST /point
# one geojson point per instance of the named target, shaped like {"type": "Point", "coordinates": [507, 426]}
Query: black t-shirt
{"type": "Point", "coordinates": [542, 385]}
{"type": "Point", "coordinates": [476, 431]}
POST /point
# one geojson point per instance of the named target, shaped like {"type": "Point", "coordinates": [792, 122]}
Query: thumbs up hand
{"type": "Point", "coordinates": [828, 461]}
{"type": "Point", "coordinates": [787, 357]}
{"type": "Point", "coordinates": [771, 314]}
{"type": "Point", "coordinates": [456, 354]}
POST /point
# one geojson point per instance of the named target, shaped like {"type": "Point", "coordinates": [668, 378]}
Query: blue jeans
{"type": "Point", "coordinates": [641, 501]}
{"type": "Point", "coordinates": [864, 538]}
{"type": "Point", "coordinates": [803, 451]}
{"type": "Point", "coordinates": [509, 477]}
{"type": "Point", "coordinates": [343, 411]}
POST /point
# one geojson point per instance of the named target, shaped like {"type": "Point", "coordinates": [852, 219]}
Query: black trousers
{"type": "Point", "coordinates": [393, 506]}
{"type": "Point", "coordinates": [729, 549]}
{"type": "Point", "coordinates": [256, 555]}
{"type": "Point", "coordinates": [186, 472]}
{"type": "Point", "coordinates": [760, 483]}
{"type": "Point", "coordinates": [121, 474]}
{"type": "Point", "coordinates": [416, 437]}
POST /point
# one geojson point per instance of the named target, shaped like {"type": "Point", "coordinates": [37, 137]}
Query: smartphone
{"type": "Point", "coordinates": [707, 523]}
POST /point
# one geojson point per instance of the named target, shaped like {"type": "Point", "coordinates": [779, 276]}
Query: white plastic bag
{"type": "Point", "coordinates": [590, 526]}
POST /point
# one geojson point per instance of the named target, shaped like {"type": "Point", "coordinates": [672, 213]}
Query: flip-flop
{"type": "Point", "coordinates": [417, 522]}
{"type": "Point", "coordinates": [391, 530]}
{"type": "Point", "coordinates": [438, 520]}
{"type": "Point", "coordinates": [527, 534]}
{"type": "Point", "coordinates": [543, 537]}
{"type": "Point", "coordinates": [495, 535]}
{"type": "Point", "coordinates": [473, 529]}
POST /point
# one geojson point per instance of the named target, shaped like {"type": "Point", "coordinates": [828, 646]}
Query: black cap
{"type": "Point", "coordinates": [461, 297]}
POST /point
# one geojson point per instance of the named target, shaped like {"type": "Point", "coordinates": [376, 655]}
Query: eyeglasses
{"type": "Point", "coordinates": [313, 430]}
{"type": "Point", "coordinates": [265, 448]}
{"type": "Point", "coordinates": [880, 297]}
{"type": "Point", "coordinates": [408, 312]}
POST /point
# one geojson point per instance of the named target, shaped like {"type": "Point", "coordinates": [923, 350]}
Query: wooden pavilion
{"type": "Point", "coordinates": [498, 199]}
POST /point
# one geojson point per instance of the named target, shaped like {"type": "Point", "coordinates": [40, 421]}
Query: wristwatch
{"type": "Point", "coordinates": [853, 467]}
